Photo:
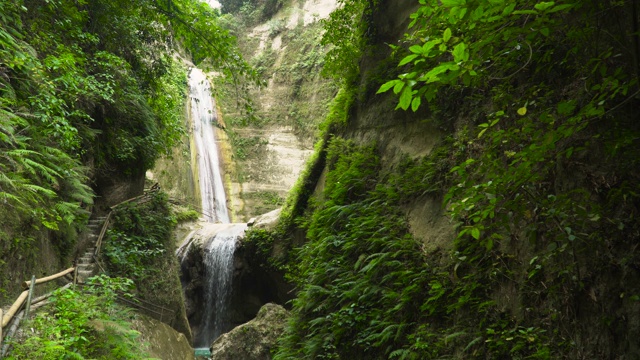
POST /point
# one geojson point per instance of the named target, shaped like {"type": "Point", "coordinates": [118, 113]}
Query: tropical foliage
{"type": "Point", "coordinates": [90, 90]}
{"type": "Point", "coordinates": [83, 324]}
{"type": "Point", "coordinates": [139, 246]}
{"type": "Point", "coordinates": [541, 99]}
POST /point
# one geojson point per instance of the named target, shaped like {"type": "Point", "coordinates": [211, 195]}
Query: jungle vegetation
{"type": "Point", "coordinates": [537, 171]}
{"type": "Point", "coordinates": [92, 89]}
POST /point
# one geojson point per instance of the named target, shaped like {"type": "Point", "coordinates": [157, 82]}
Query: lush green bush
{"type": "Point", "coordinates": [185, 215]}
{"type": "Point", "coordinates": [139, 245]}
{"type": "Point", "coordinates": [140, 233]}
{"type": "Point", "coordinates": [84, 324]}
{"type": "Point", "coordinates": [367, 290]}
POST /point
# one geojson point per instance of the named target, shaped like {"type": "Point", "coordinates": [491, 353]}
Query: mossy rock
{"type": "Point", "coordinates": [253, 340]}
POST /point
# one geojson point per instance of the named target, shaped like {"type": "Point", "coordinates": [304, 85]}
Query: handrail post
{"type": "Point", "coordinates": [1, 337]}
{"type": "Point", "coordinates": [75, 277]}
{"type": "Point", "coordinates": [102, 233]}
{"type": "Point", "coordinates": [33, 285]}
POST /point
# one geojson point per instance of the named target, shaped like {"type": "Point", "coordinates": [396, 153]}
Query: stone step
{"type": "Point", "coordinates": [85, 259]}
{"type": "Point", "coordinates": [84, 274]}
{"type": "Point", "coordinates": [86, 267]}
{"type": "Point", "coordinates": [90, 251]}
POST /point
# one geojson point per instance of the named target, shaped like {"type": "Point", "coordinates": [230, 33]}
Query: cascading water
{"type": "Point", "coordinates": [219, 248]}
{"type": "Point", "coordinates": [219, 272]}
{"type": "Point", "coordinates": [204, 116]}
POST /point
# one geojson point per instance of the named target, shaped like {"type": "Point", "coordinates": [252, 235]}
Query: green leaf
{"type": "Point", "coordinates": [399, 85]}
{"type": "Point", "coordinates": [447, 35]}
{"type": "Point", "coordinates": [560, 8]}
{"type": "Point", "coordinates": [489, 244]}
{"type": "Point", "coordinates": [416, 49]}
{"type": "Point", "coordinates": [475, 232]}
{"type": "Point", "coordinates": [453, 3]}
{"type": "Point", "coordinates": [477, 13]}
{"type": "Point", "coordinates": [408, 59]}
{"type": "Point", "coordinates": [386, 86]}
{"type": "Point", "coordinates": [415, 103]}
{"type": "Point", "coordinates": [429, 45]}
{"type": "Point", "coordinates": [462, 13]}
{"type": "Point", "coordinates": [544, 31]}
{"type": "Point", "coordinates": [544, 5]}
{"type": "Point", "coordinates": [525, 12]}
{"type": "Point", "coordinates": [509, 9]}
{"type": "Point", "coordinates": [432, 75]}
{"type": "Point", "coordinates": [460, 52]}
{"type": "Point", "coordinates": [405, 98]}
{"type": "Point", "coordinates": [566, 107]}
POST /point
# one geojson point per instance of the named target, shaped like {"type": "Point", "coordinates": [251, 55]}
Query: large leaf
{"type": "Point", "coordinates": [460, 52]}
{"type": "Point", "coordinates": [405, 98]}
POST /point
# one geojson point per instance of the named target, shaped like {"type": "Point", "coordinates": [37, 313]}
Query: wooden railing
{"type": "Point", "coordinates": [26, 296]}
{"type": "Point", "coordinates": [105, 226]}
{"type": "Point", "coordinates": [26, 299]}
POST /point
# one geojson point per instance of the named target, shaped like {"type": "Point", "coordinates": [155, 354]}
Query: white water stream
{"type": "Point", "coordinates": [220, 247]}
{"type": "Point", "coordinates": [204, 118]}
{"type": "Point", "coordinates": [219, 273]}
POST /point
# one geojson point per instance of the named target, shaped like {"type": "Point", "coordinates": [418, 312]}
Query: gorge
{"type": "Point", "coordinates": [472, 192]}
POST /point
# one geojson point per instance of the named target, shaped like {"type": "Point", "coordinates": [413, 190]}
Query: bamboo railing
{"type": "Point", "coordinates": [26, 295]}
{"type": "Point", "coordinates": [25, 300]}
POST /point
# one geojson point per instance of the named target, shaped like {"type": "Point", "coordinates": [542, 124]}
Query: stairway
{"type": "Point", "coordinates": [86, 263]}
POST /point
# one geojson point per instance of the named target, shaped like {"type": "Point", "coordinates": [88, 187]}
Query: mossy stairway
{"type": "Point", "coordinates": [86, 263]}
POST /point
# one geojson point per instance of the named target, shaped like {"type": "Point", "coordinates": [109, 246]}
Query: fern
{"type": "Point", "coordinates": [39, 190]}
{"type": "Point", "coordinates": [400, 354]}
{"type": "Point", "coordinates": [36, 168]}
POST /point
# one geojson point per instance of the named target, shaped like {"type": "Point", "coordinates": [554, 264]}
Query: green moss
{"type": "Point", "coordinates": [186, 215]}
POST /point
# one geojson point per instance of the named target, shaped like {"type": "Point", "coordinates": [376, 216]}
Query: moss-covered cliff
{"type": "Point", "coordinates": [498, 219]}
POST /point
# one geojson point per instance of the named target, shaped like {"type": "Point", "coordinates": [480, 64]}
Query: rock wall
{"type": "Point", "coordinates": [269, 150]}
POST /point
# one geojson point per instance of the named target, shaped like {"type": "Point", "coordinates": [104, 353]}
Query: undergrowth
{"type": "Point", "coordinates": [366, 287]}
{"type": "Point", "coordinates": [139, 246]}
{"type": "Point", "coordinates": [82, 324]}
{"type": "Point", "coordinates": [538, 182]}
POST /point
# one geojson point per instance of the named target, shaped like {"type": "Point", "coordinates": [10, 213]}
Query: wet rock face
{"type": "Point", "coordinates": [192, 280]}
{"type": "Point", "coordinates": [253, 340]}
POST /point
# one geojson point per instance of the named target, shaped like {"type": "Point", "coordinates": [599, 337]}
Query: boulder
{"type": "Point", "coordinates": [253, 340]}
{"type": "Point", "coordinates": [163, 341]}
{"type": "Point", "coordinates": [266, 221]}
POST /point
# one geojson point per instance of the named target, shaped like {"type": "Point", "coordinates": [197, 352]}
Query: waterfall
{"type": "Point", "coordinates": [204, 117]}
{"type": "Point", "coordinates": [219, 273]}
{"type": "Point", "coordinates": [219, 248]}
